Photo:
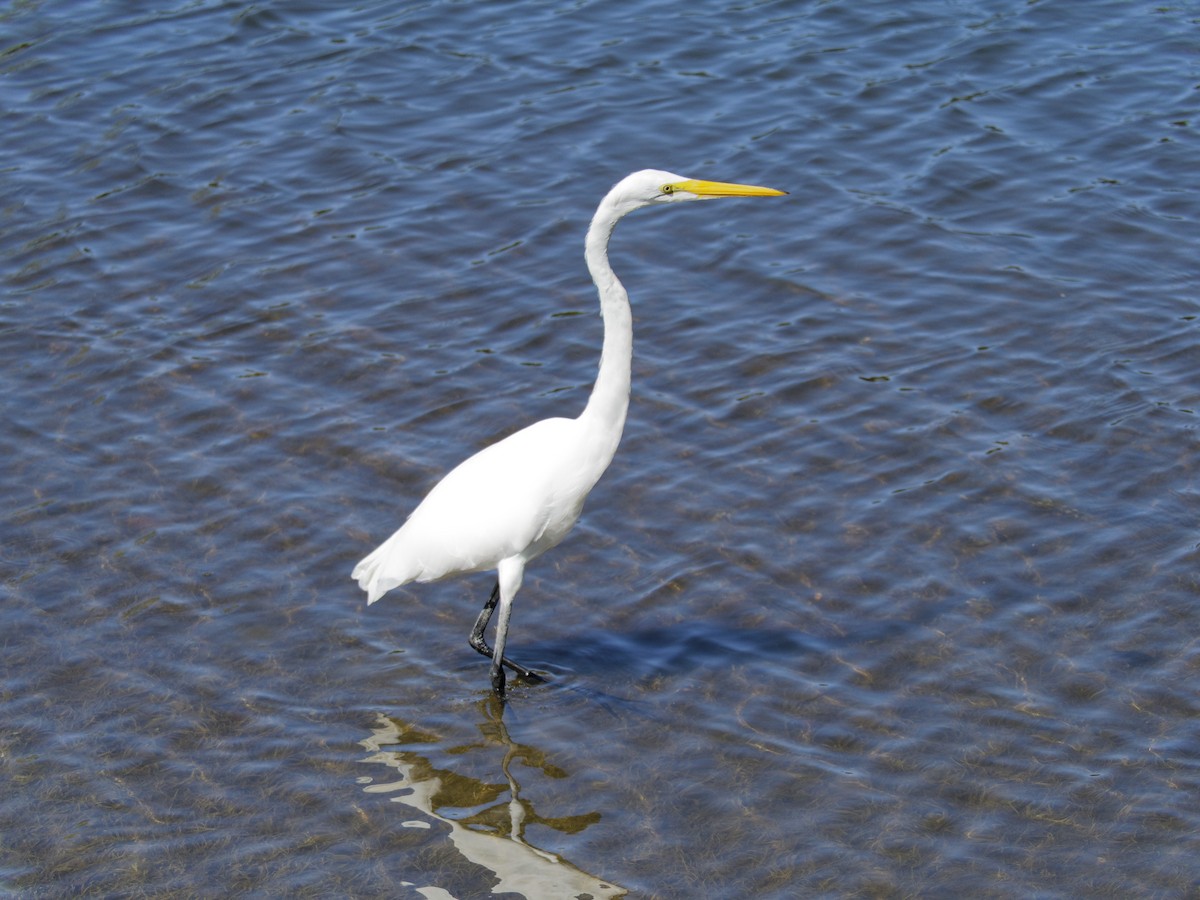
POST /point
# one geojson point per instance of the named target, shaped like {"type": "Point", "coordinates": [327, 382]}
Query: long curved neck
{"type": "Point", "coordinates": [604, 415]}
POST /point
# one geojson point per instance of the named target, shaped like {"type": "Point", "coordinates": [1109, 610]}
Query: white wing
{"type": "Point", "coordinates": [518, 497]}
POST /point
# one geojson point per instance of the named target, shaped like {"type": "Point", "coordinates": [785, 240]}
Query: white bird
{"type": "Point", "coordinates": [514, 500]}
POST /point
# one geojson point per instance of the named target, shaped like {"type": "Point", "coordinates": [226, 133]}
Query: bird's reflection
{"type": "Point", "coordinates": [492, 833]}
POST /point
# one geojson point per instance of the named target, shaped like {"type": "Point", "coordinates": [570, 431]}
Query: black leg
{"type": "Point", "coordinates": [480, 644]}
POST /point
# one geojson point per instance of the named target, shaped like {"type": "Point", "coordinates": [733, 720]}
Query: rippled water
{"type": "Point", "coordinates": [891, 589]}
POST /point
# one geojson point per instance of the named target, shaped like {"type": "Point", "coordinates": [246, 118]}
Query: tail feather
{"type": "Point", "coordinates": [375, 577]}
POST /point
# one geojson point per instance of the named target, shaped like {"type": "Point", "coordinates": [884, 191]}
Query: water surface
{"type": "Point", "coordinates": [890, 591]}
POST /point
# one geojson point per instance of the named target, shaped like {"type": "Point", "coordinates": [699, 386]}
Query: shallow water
{"type": "Point", "coordinates": [890, 591]}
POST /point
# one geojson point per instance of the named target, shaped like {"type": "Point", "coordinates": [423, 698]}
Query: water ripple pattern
{"type": "Point", "coordinates": [892, 587]}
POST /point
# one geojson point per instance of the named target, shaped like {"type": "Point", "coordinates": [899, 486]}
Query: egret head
{"type": "Point", "coordinates": [651, 186]}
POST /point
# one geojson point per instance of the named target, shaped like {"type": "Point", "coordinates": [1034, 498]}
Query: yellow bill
{"type": "Point", "coordinates": [722, 189]}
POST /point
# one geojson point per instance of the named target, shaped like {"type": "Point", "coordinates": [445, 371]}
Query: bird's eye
{"type": "Point", "coordinates": [667, 188]}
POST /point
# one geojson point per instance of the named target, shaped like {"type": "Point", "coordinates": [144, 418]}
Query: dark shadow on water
{"type": "Point", "coordinates": [609, 669]}
{"type": "Point", "coordinates": [680, 648]}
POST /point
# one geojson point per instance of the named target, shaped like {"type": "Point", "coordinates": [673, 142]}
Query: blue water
{"type": "Point", "coordinates": [891, 589]}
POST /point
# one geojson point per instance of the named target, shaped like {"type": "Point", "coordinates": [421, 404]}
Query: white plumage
{"type": "Point", "coordinates": [514, 500]}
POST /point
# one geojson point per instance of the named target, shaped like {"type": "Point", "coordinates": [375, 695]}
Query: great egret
{"type": "Point", "coordinates": [514, 500]}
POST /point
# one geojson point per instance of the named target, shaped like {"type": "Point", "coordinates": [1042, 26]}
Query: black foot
{"type": "Point", "coordinates": [524, 676]}
{"type": "Point", "coordinates": [480, 644]}
{"type": "Point", "coordinates": [529, 675]}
